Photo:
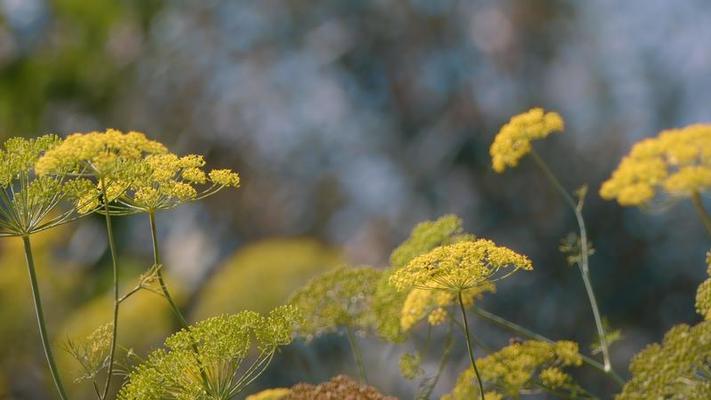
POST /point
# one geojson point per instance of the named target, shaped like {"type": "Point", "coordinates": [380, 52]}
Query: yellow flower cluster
{"type": "Point", "coordinates": [97, 153]}
{"type": "Point", "coordinates": [459, 266]}
{"type": "Point", "coordinates": [422, 303]}
{"type": "Point", "coordinates": [214, 349]}
{"type": "Point", "coordinates": [517, 366]}
{"type": "Point", "coordinates": [387, 301]}
{"type": "Point", "coordinates": [92, 353]}
{"type": "Point", "coordinates": [169, 180]}
{"type": "Point", "coordinates": [676, 369]}
{"type": "Point", "coordinates": [677, 161]}
{"type": "Point", "coordinates": [132, 172]}
{"type": "Point", "coordinates": [513, 141]}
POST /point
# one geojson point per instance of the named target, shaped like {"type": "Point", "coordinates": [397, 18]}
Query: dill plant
{"type": "Point", "coordinates": [511, 144]}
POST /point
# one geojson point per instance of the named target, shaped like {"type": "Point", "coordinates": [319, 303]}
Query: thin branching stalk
{"type": "Point", "coordinates": [469, 344]}
{"type": "Point", "coordinates": [703, 214]}
{"type": "Point", "coordinates": [159, 273]}
{"type": "Point", "coordinates": [40, 318]}
{"type": "Point", "coordinates": [584, 250]}
{"type": "Point", "coordinates": [117, 300]}
{"type": "Point", "coordinates": [357, 356]}
{"type": "Point", "coordinates": [520, 330]}
{"type": "Point", "coordinates": [166, 293]}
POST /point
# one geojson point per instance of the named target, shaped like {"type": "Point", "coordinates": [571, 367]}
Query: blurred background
{"type": "Point", "coordinates": [349, 122]}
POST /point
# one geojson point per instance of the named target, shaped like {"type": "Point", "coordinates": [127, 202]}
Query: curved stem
{"type": "Point", "coordinates": [166, 293]}
{"type": "Point", "coordinates": [469, 345]}
{"type": "Point", "coordinates": [117, 302]}
{"type": "Point", "coordinates": [518, 329]}
{"type": "Point", "coordinates": [356, 355]}
{"type": "Point", "coordinates": [159, 273]}
{"type": "Point", "coordinates": [584, 250]}
{"type": "Point", "coordinates": [39, 313]}
{"type": "Point", "coordinates": [703, 214]}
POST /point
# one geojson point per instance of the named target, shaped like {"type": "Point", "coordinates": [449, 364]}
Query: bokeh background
{"type": "Point", "coordinates": [349, 122]}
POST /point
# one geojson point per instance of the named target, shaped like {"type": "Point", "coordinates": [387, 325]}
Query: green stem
{"type": "Point", "coordinates": [469, 345]}
{"type": "Point", "coordinates": [40, 318]}
{"type": "Point", "coordinates": [117, 302]}
{"type": "Point", "coordinates": [356, 355]}
{"type": "Point", "coordinates": [157, 262]}
{"type": "Point", "coordinates": [166, 293]}
{"type": "Point", "coordinates": [518, 329]}
{"type": "Point", "coordinates": [703, 214]}
{"type": "Point", "coordinates": [584, 250]}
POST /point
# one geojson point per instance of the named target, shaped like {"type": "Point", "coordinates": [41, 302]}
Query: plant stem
{"type": "Point", "coordinates": [518, 329]}
{"type": "Point", "coordinates": [584, 249]}
{"type": "Point", "coordinates": [469, 345]}
{"type": "Point", "coordinates": [356, 355]}
{"type": "Point", "coordinates": [117, 302]}
{"type": "Point", "coordinates": [703, 214]}
{"type": "Point", "coordinates": [157, 262]}
{"type": "Point", "coordinates": [40, 318]}
{"type": "Point", "coordinates": [166, 293]}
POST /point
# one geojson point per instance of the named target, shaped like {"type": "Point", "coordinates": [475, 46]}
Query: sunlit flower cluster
{"type": "Point", "coordinates": [513, 141]}
{"type": "Point", "coordinates": [337, 299]}
{"type": "Point", "coordinates": [519, 367]}
{"type": "Point", "coordinates": [678, 368]}
{"type": "Point", "coordinates": [92, 353]}
{"type": "Point", "coordinates": [677, 162]}
{"type": "Point", "coordinates": [205, 360]}
{"type": "Point", "coordinates": [459, 266]}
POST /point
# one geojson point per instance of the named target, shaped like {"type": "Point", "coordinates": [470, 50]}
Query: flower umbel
{"type": "Point", "coordinates": [29, 203]}
{"type": "Point", "coordinates": [519, 366]}
{"type": "Point", "coordinates": [677, 162]}
{"type": "Point", "coordinates": [513, 141]}
{"type": "Point", "coordinates": [460, 266]}
{"type": "Point", "coordinates": [215, 348]}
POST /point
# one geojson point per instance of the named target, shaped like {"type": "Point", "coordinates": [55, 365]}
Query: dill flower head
{"type": "Point", "coordinates": [677, 162]}
{"type": "Point", "coordinates": [102, 164]}
{"type": "Point", "coordinates": [388, 301]}
{"type": "Point", "coordinates": [513, 141]}
{"type": "Point", "coordinates": [215, 348]}
{"type": "Point", "coordinates": [429, 304]}
{"type": "Point", "coordinates": [521, 366]}
{"type": "Point", "coordinates": [168, 180]}
{"type": "Point", "coordinates": [30, 203]}
{"type": "Point", "coordinates": [459, 266]}
{"type": "Point", "coordinates": [337, 299]}
{"type": "Point", "coordinates": [676, 369]}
